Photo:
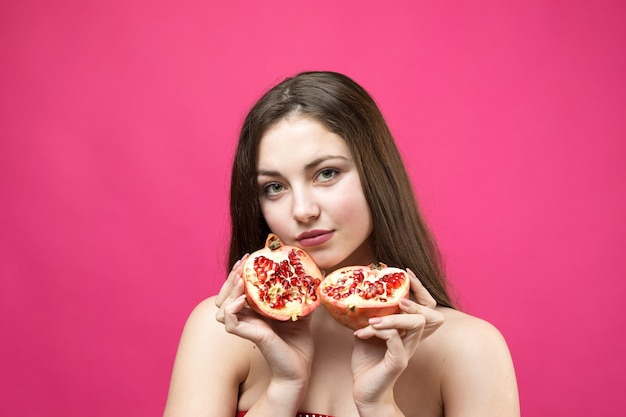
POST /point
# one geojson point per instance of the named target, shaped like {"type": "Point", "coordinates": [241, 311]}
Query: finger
{"type": "Point", "coordinates": [409, 327]}
{"type": "Point", "coordinates": [396, 356]}
{"type": "Point", "coordinates": [433, 319]}
{"type": "Point", "coordinates": [419, 320]}
{"type": "Point", "coordinates": [230, 311]}
{"type": "Point", "coordinates": [417, 317]}
{"type": "Point", "coordinates": [236, 292]}
{"type": "Point", "coordinates": [226, 287]}
{"type": "Point", "coordinates": [421, 293]}
{"type": "Point", "coordinates": [235, 273]}
{"type": "Point", "coordinates": [407, 322]}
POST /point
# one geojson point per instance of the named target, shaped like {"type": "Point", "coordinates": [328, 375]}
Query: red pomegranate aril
{"type": "Point", "coordinates": [281, 281]}
{"type": "Point", "coordinates": [354, 294]}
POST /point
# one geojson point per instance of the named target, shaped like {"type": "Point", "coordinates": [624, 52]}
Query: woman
{"type": "Point", "coordinates": [317, 165]}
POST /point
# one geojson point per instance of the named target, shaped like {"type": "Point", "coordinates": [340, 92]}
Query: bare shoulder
{"type": "Point", "coordinates": [477, 373]}
{"type": "Point", "coordinates": [210, 364]}
{"type": "Point", "coordinates": [473, 332]}
{"type": "Point", "coordinates": [203, 334]}
{"type": "Point", "coordinates": [203, 314]}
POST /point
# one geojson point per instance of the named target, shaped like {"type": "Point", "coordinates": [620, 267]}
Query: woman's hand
{"type": "Point", "coordinates": [286, 346]}
{"type": "Point", "coordinates": [383, 349]}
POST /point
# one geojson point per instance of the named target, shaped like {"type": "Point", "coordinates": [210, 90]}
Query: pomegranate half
{"type": "Point", "coordinates": [354, 294]}
{"type": "Point", "coordinates": [281, 281]}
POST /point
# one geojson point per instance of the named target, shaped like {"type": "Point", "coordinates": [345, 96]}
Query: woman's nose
{"type": "Point", "coordinates": [305, 207]}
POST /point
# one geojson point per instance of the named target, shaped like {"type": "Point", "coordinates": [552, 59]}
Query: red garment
{"type": "Point", "coordinates": [243, 413]}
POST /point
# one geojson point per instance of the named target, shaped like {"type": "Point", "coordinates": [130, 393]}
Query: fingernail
{"type": "Point", "coordinates": [375, 320]}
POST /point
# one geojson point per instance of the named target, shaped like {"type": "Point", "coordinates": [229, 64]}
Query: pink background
{"type": "Point", "coordinates": [118, 121]}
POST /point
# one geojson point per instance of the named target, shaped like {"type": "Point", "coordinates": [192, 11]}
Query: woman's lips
{"type": "Point", "coordinates": [314, 237]}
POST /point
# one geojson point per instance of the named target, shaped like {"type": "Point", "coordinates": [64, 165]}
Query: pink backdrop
{"type": "Point", "coordinates": [118, 121]}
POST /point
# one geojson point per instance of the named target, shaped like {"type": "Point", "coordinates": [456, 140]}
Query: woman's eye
{"type": "Point", "coordinates": [273, 189]}
{"type": "Point", "coordinates": [326, 175]}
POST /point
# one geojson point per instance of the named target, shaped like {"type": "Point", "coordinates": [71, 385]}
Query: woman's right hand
{"type": "Point", "coordinates": [286, 346]}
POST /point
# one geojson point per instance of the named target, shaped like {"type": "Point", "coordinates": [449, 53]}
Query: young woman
{"type": "Point", "coordinates": [317, 165]}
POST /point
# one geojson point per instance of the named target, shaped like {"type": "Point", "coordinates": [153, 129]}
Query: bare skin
{"type": "Point", "coordinates": [425, 361]}
{"type": "Point", "coordinates": [440, 371]}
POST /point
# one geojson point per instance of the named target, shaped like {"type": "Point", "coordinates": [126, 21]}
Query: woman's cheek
{"type": "Point", "coordinates": [275, 217]}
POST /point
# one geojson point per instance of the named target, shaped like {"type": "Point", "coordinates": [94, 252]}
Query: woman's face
{"type": "Point", "coordinates": [311, 194]}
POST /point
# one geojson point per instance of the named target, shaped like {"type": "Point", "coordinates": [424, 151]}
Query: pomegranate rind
{"type": "Point", "coordinates": [270, 295]}
{"type": "Point", "coordinates": [353, 310]}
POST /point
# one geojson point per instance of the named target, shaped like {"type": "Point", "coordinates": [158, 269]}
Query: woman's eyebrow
{"type": "Point", "coordinates": [322, 159]}
{"type": "Point", "coordinates": [309, 166]}
{"type": "Point", "coordinates": [266, 173]}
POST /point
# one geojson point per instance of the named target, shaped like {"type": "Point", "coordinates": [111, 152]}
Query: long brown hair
{"type": "Point", "coordinates": [401, 237]}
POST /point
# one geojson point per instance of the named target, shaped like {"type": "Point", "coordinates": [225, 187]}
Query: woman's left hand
{"type": "Point", "coordinates": [383, 349]}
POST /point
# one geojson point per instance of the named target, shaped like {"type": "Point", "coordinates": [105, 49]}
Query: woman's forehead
{"type": "Point", "coordinates": [303, 138]}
